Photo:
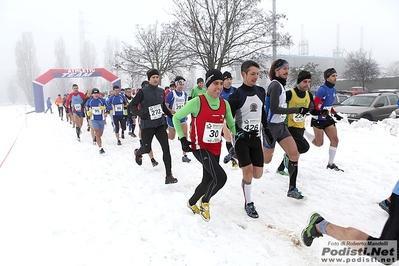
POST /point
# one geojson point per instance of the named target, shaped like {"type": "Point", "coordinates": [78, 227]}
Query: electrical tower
{"type": "Point", "coordinates": [303, 46]}
{"type": "Point", "coordinates": [82, 31]}
{"type": "Point", "coordinates": [338, 52]}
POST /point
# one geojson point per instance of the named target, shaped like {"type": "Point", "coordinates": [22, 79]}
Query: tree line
{"type": "Point", "coordinates": [204, 34]}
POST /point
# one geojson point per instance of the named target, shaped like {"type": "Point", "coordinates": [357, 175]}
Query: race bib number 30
{"type": "Point", "coordinates": [212, 132]}
{"type": "Point", "coordinates": [155, 111]}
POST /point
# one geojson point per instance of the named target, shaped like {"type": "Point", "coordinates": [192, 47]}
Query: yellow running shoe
{"type": "Point", "coordinates": [204, 211]}
{"type": "Point", "coordinates": [234, 163]}
{"type": "Point", "coordinates": [193, 208]}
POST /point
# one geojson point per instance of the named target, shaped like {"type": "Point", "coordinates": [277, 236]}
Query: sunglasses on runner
{"type": "Point", "coordinates": [182, 81]}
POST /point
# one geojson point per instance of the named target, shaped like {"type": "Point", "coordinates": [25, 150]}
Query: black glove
{"type": "Point", "coordinates": [329, 118]}
{"type": "Point", "coordinates": [240, 133]}
{"type": "Point", "coordinates": [185, 144]}
{"type": "Point", "coordinates": [324, 112]}
{"type": "Point", "coordinates": [252, 134]}
{"type": "Point", "coordinates": [303, 110]}
{"type": "Point", "coordinates": [145, 116]}
{"type": "Point", "coordinates": [268, 136]}
{"type": "Point", "coordinates": [337, 116]}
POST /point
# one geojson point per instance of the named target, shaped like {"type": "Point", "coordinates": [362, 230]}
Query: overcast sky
{"type": "Point", "coordinates": [49, 20]}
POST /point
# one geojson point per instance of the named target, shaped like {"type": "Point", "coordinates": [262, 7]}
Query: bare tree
{"type": "Point", "coordinates": [134, 80]}
{"type": "Point", "coordinates": [157, 48]}
{"type": "Point", "coordinates": [317, 75]}
{"type": "Point", "coordinates": [12, 91]}
{"type": "Point", "coordinates": [360, 67]}
{"type": "Point", "coordinates": [88, 59]}
{"type": "Point", "coordinates": [393, 70]}
{"type": "Point", "coordinates": [111, 50]}
{"type": "Point", "coordinates": [27, 66]}
{"type": "Point", "coordinates": [61, 61]}
{"type": "Point", "coordinates": [219, 33]}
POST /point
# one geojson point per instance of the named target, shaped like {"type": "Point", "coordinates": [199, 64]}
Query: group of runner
{"type": "Point", "coordinates": [251, 119]}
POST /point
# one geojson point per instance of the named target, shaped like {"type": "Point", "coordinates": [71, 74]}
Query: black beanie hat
{"type": "Point", "coordinates": [329, 72]}
{"type": "Point", "coordinates": [200, 80]}
{"type": "Point", "coordinates": [145, 82]}
{"type": "Point", "coordinates": [303, 75]}
{"type": "Point", "coordinates": [227, 75]}
{"type": "Point", "coordinates": [177, 78]}
{"type": "Point", "coordinates": [151, 73]}
{"type": "Point", "coordinates": [211, 76]}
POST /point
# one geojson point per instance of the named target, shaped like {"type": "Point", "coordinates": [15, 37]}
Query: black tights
{"type": "Point", "coordinates": [147, 135]}
{"type": "Point", "coordinates": [213, 176]}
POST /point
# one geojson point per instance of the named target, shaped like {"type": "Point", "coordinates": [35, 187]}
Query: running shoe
{"type": "Point", "coordinates": [154, 162]}
{"type": "Point", "coordinates": [102, 151]}
{"type": "Point", "coordinates": [193, 208]}
{"type": "Point", "coordinates": [333, 167]}
{"type": "Point", "coordinates": [119, 142]}
{"type": "Point", "coordinates": [310, 232]}
{"type": "Point", "coordinates": [286, 160]}
{"type": "Point", "coordinates": [185, 159]}
{"type": "Point", "coordinates": [251, 210]}
{"type": "Point", "coordinates": [169, 179]}
{"type": "Point", "coordinates": [384, 205]}
{"type": "Point", "coordinates": [295, 194]}
{"type": "Point", "coordinates": [234, 163]}
{"type": "Point", "coordinates": [139, 158]}
{"type": "Point", "coordinates": [282, 172]}
{"type": "Point", "coordinates": [204, 211]}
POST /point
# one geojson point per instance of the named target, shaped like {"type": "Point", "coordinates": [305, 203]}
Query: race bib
{"type": "Point", "coordinates": [178, 106]}
{"type": "Point", "coordinates": [327, 108]}
{"type": "Point", "coordinates": [251, 124]}
{"type": "Point", "coordinates": [155, 111]}
{"type": "Point", "coordinates": [298, 117]}
{"type": "Point", "coordinates": [78, 107]}
{"type": "Point", "coordinates": [283, 116]}
{"type": "Point", "coordinates": [60, 105]}
{"type": "Point", "coordinates": [212, 132]}
{"type": "Point", "coordinates": [118, 107]}
{"type": "Point", "coordinates": [96, 111]}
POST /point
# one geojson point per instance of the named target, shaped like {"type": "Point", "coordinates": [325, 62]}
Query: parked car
{"type": "Point", "coordinates": [339, 98]}
{"type": "Point", "coordinates": [385, 90]}
{"type": "Point", "coordinates": [371, 106]}
{"type": "Point", "coordinates": [354, 90]}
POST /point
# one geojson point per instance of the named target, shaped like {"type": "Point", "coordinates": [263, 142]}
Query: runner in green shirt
{"type": "Point", "coordinates": [197, 90]}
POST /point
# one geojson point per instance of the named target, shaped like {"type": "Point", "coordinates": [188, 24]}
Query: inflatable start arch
{"type": "Point", "coordinates": [68, 73]}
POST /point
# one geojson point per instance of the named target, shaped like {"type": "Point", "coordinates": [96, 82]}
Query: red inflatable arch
{"type": "Point", "coordinates": [68, 73]}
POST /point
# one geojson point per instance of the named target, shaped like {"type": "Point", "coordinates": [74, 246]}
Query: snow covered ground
{"type": "Point", "coordinates": [61, 203]}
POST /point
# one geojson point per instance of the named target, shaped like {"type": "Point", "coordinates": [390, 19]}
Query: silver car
{"type": "Point", "coordinates": [371, 106]}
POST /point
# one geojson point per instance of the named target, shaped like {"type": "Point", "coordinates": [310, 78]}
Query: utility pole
{"type": "Point", "coordinates": [274, 34]}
